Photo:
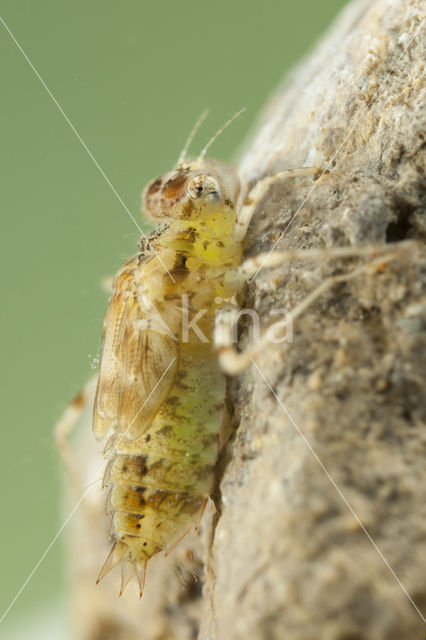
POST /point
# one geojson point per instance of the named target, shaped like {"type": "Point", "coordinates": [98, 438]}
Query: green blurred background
{"type": "Point", "coordinates": [132, 77]}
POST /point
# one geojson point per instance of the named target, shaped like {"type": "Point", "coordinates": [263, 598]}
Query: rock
{"type": "Point", "coordinates": [322, 526]}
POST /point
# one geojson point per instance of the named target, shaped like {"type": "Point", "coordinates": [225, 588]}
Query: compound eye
{"type": "Point", "coordinates": [202, 186]}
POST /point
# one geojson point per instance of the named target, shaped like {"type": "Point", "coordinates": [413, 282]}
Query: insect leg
{"type": "Point", "coordinates": [231, 361]}
{"type": "Point", "coordinates": [192, 527]}
{"type": "Point", "coordinates": [234, 362]}
{"type": "Point", "coordinates": [258, 192]}
{"type": "Point", "coordinates": [200, 515]}
{"type": "Point", "coordinates": [64, 426]}
{"type": "Point", "coordinates": [176, 542]}
{"type": "Point", "coordinates": [276, 258]}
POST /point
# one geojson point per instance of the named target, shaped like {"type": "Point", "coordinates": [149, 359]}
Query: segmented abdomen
{"type": "Point", "coordinates": [159, 483]}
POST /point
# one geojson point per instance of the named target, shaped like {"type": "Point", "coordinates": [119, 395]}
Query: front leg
{"type": "Point", "coordinates": [258, 192]}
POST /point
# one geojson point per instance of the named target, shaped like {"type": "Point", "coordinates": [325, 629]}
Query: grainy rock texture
{"type": "Point", "coordinates": [288, 558]}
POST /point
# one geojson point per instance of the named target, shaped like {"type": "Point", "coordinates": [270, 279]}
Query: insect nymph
{"type": "Point", "coordinates": [160, 391]}
{"type": "Point", "coordinates": [161, 385]}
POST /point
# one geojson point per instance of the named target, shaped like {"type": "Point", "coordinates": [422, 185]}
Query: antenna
{"type": "Point", "coordinates": [190, 138]}
{"type": "Point", "coordinates": [218, 132]}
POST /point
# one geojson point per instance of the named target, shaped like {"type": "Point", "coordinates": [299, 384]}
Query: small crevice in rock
{"type": "Point", "coordinates": [400, 228]}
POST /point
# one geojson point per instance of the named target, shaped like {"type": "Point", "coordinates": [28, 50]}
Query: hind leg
{"type": "Point", "coordinates": [65, 425]}
{"type": "Point", "coordinates": [194, 526]}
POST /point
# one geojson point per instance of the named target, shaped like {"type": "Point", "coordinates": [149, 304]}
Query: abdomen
{"type": "Point", "coordinates": [159, 483]}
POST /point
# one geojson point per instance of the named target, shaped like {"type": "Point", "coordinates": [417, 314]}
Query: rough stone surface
{"type": "Point", "coordinates": [287, 558]}
{"type": "Point", "coordinates": [290, 560]}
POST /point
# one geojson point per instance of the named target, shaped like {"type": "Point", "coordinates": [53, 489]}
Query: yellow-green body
{"type": "Point", "coordinates": [160, 480]}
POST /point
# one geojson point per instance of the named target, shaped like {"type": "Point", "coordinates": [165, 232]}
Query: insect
{"type": "Point", "coordinates": [161, 384]}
